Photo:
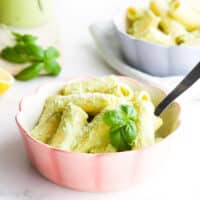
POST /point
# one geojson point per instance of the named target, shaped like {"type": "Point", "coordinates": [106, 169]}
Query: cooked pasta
{"type": "Point", "coordinates": [74, 121]}
{"type": "Point", "coordinates": [46, 129]}
{"type": "Point", "coordinates": [140, 26]}
{"type": "Point", "coordinates": [185, 15]}
{"type": "Point", "coordinates": [158, 7]}
{"type": "Point", "coordinates": [134, 13]}
{"type": "Point", "coordinates": [165, 23]}
{"type": "Point", "coordinates": [90, 102]}
{"type": "Point", "coordinates": [170, 26]}
{"type": "Point", "coordinates": [106, 85]}
{"type": "Point", "coordinates": [145, 108]}
{"type": "Point", "coordinates": [154, 35]}
{"type": "Point", "coordinates": [96, 136]}
{"type": "Point", "coordinates": [70, 129]}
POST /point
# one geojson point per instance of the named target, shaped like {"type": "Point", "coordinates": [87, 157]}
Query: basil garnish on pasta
{"type": "Point", "coordinates": [122, 125]}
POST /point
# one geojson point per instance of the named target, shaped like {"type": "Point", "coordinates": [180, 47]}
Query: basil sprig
{"type": "Point", "coordinates": [122, 125]}
{"type": "Point", "coordinates": [30, 72]}
{"type": "Point", "coordinates": [26, 50]}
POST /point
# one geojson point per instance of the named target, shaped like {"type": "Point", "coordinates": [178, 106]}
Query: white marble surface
{"type": "Point", "coordinates": [18, 179]}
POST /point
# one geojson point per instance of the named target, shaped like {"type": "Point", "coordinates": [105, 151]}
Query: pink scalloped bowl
{"type": "Point", "coordinates": [97, 172]}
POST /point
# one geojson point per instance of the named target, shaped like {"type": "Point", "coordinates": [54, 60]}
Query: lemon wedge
{"type": "Point", "coordinates": [6, 80]}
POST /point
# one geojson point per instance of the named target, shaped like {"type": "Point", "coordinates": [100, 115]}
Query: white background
{"type": "Point", "coordinates": [18, 179]}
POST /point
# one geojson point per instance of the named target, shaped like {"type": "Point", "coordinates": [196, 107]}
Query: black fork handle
{"type": "Point", "coordinates": [186, 83]}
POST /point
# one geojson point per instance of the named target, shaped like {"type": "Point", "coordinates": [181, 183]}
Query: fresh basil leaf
{"type": "Point", "coordinates": [122, 126]}
{"type": "Point", "coordinates": [21, 51]}
{"type": "Point", "coordinates": [30, 72]}
{"type": "Point", "coordinates": [129, 132]}
{"type": "Point", "coordinates": [10, 54]}
{"type": "Point", "coordinates": [118, 141]}
{"type": "Point", "coordinates": [18, 36]}
{"type": "Point", "coordinates": [26, 38]}
{"type": "Point", "coordinates": [35, 52]}
{"type": "Point", "coordinates": [52, 67]}
{"type": "Point", "coordinates": [51, 53]}
{"type": "Point", "coordinates": [29, 38]}
{"type": "Point", "coordinates": [129, 111]}
{"type": "Point", "coordinates": [31, 52]}
{"type": "Point", "coordinates": [113, 118]}
{"type": "Point", "coordinates": [27, 51]}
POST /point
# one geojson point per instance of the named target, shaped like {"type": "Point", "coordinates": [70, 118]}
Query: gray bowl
{"type": "Point", "coordinates": [155, 59]}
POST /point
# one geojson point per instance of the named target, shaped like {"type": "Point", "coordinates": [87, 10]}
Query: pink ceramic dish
{"type": "Point", "coordinates": [96, 172]}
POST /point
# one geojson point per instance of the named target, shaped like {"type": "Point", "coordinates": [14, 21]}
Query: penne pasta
{"type": "Point", "coordinates": [96, 135]}
{"type": "Point", "coordinates": [46, 129]}
{"type": "Point", "coordinates": [158, 7]}
{"type": "Point", "coordinates": [172, 27]}
{"type": "Point", "coordinates": [105, 85]}
{"type": "Point", "coordinates": [133, 13]}
{"type": "Point", "coordinates": [147, 123]}
{"type": "Point", "coordinates": [96, 138]}
{"type": "Point", "coordinates": [155, 35]}
{"type": "Point", "coordinates": [90, 102]}
{"type": "Point", "coordinates": [89, 118]}
{"type": "Point", "coordinates": [124, 90]}
{"type": "Point", "coordinates": [71, 128]}
{"type": "Point", "coordinates": [166, 22]}
{"type": "Point", "coordinates": [181, 39]}
{"type": "Point", "coordinates": [185, 15]}
{"type": "Point", "coordinates": [143, 96]}
{"type": "Point", "coordinates": [148, 20]}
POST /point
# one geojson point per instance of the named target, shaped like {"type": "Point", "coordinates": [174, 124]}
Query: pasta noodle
{"type": "Point", "coordinates": [133, 13]}
{"type": "Point", "coordinates": [145, 22]}
{"type": "Point", "coordinates": [155, 35]}
{"type": "Point", "coordinates": [90, 102]}
{"type": "Point", "coordinates": [74, 120]}
{"type": "Point", "coordinates": [165, 23]}
{"type": "Point", "coordinates": [148, 123]}
{"type": "Point", "coordinates": [70, 129]}
{"type": "Point", "coordinates": [97, 135]}
{"type": "Point", "coordinates": [124, 90]}
{"type": "Point", "coordinates": [45, 130]}
{"type": "Point", "coordinates": [158, 7]}
{"type": "Point", "coordinates": [186, 16]}
{"type": "Point", "coordinates": [106, 85]}
{"type": "Point", "coordinates": [170, 26]}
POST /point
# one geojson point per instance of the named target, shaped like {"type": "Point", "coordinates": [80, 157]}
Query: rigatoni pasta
{"type": "Point", "coordinates": [166, 23]}
{"type": "Point", "coordinates": [158, 7]}
{"type": "Point", "coordinates": [134, 13]}
{"type": "Point", "coordinates": [96, 136]}
{"type": "Point", "coordinates": [79, 117]}
{"type": "Point", "coordinates": [146, 21]}
{"type": "Point", "coordinates": [71, 128]}
{"type": "Point", "coordinates": [108, 85]}
{"type": "Point", "coordinates": [171, 27]}
{"type": "Point", "coordinates": [47, 127]}
{"type": "Point", "coordinates": [185, 15]}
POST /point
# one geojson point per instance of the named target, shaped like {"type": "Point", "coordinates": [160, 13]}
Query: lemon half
{"type": "Point", "coordinates": [6, 80]}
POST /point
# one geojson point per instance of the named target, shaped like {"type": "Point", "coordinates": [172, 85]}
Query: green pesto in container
{"type": "Point", "coordinates": [25, 13]}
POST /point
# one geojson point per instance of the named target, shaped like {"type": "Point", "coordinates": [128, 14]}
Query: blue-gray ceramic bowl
{"type": "Point", "coordinates": [152, 58]}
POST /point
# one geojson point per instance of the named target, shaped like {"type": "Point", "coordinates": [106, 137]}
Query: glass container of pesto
{"type": "Point", "coordinates": [25, 13]}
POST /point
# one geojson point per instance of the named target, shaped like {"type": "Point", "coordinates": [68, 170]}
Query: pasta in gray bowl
{"type": "Point", "coordinates": [159, 38]}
